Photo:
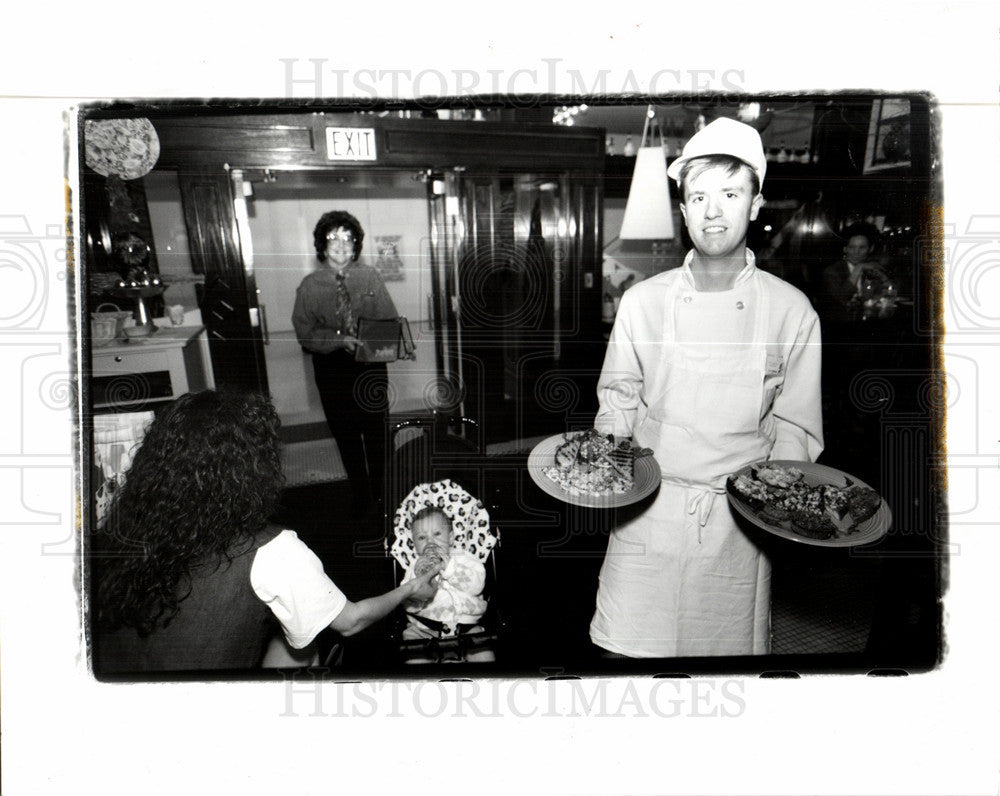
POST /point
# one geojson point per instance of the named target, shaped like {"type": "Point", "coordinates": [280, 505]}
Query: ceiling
{"type": "Point", "coordinates": [679, 118]}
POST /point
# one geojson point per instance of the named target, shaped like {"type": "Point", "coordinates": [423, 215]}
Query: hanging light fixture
{"type": "Point", "coordinates": [648, 212]}
{"type": "Point", "coordinates": [566, 114]}
{"type": "Point", "coordinates": [125, 148]}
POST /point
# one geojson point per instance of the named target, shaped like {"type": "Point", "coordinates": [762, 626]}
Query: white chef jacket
{"type": "Point", "coordinates": [711, 381]}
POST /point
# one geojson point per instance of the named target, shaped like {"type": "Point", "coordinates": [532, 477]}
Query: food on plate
{"type": "Point", "coordinates": [567, 453]}
{"type": "Point", "coordinates": [753, 492]}
{"type": "Point", "coordinates": [594, 445]}
{"type": "Point", "coordinates": [593, 464]}
{"type": "Point", "coordinates": [775, 512]}
{"type": "Point", "coordinates": [779, 476]}
{"type": "Point", "coordinates": [815, 526]}
{"type": "Point", "coordinates": [863, 502]}
{"type": "Point", "coordinates": [835, 501]}
{"type": "Point", "coordinates": [624, 460]}
{"type": "Point", "coordinates": [782, 496]}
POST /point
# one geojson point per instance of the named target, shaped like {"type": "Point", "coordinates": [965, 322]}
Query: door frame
{"type": "Point", "coordinates": [220, 250]}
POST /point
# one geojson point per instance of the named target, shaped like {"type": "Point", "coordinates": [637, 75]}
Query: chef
{"type": "Point", "coordinates": [713, 365]}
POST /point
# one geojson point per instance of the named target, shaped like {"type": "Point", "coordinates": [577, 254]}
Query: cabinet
{"type": "Point", "coordinates": [140, 373]}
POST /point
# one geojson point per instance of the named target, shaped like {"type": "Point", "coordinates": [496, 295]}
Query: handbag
{"type": "Point", "coordinates": [385, 340]}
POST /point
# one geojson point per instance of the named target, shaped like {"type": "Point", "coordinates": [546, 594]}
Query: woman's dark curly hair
{"type": "Point", "coordinates": [336, 219]}
{"type": "Point", "coordinates": [204, 482]}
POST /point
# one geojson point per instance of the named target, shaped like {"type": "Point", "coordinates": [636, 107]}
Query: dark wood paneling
{"type": "Point", "coordinates": [194, 136]}
{"type": "Point", "coordinates": [239, 140]}
{"type": "Point", "coordinates": [228, 295]}
{"type": "Point", "coordinates": [298, 140]}
{"type": "Point", "coordinates": [480, 145]}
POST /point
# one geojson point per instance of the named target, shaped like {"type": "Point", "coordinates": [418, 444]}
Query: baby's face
{"type": "Point", "coordinates": [432, 531]}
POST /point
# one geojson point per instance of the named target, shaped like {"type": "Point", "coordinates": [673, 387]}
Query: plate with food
{"type": "Point", "coordinates": [809, 503]}
{"type": "Point", "coordinates": [588, 468]}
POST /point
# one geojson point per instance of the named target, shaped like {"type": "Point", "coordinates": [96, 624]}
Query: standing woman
{"type": "Point", "coordinates": [328, 304]}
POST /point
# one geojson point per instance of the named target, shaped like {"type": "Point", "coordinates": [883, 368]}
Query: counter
{"type": "Point", "coordinates": [150, 370]}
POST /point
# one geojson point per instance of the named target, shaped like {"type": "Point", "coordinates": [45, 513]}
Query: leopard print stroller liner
{"type": "Point", "coordinates": [472, 533]}
{"type": "Point", "coordinates": [470, 521]}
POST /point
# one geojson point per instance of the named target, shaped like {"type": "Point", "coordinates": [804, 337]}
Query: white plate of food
{"type": "Point", "coordinates": [588, 468]}
{"type": "Point", "coordinates": [809, 503]}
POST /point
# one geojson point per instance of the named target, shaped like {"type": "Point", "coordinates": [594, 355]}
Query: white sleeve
{"type": "Point", "coordinates": [620, 384]}
{"type": "Point", "coordinates": [289, 578]}
{"type": "Point", "coordinates": [798, 408]}
{"type": "Point", "coordinates": [465, 572]}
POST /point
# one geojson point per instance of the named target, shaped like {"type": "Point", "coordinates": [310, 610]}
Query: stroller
{"type": "Point", "coordinates": [417, 460]}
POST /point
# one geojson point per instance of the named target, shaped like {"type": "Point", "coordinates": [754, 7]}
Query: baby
{"type": "Point", "coordinates": [458, 603]}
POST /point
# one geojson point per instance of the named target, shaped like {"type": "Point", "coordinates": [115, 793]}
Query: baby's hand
{"type": "Point", "coordinates": [427, 564]}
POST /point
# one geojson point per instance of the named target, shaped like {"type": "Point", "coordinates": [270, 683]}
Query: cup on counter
{"type": "Point", "coordinates": [176, 314]}
{"type": "Point", "coordinates": [103, 331]}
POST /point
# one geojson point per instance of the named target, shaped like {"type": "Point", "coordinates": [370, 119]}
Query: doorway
{"type": "Point", "coordinates": [517, 274]}
{"type": "Point", "coordinates": [488, 268]}
{"type": "Point", "coordinates": [282, 210]}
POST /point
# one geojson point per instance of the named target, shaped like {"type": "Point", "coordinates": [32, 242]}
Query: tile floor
{"type": "Point", "coordinates": [315, 461]}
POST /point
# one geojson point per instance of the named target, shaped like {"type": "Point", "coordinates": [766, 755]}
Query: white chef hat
{"type": "Point", "coordinates": [724, 137]}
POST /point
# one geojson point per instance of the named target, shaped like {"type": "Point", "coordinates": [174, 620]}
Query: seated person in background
{"type": "Point", "coordinates": [844, 282]}
{"type": "Point", "coordinates": [190, 575]}
{"type": "Point", "coordinates": [459, 576]}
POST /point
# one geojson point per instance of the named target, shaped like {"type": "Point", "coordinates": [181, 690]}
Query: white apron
{"type": "Point", "coordinates": [682, 579]}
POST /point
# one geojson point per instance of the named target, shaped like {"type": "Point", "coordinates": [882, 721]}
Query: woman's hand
{"type": "Point", "coordinates": [347, 341]}
{"type": "Point", "coordinates": [423, 587]}
{"type": "Point", "coordinates": [356, 616]}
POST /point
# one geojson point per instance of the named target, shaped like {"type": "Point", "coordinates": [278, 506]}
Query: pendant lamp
{"type": "Point", "coordinates": [126, 148]}
{"type": "Point", "coordinates": [648, 213]}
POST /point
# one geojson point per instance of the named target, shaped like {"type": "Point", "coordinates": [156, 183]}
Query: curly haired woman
{"type": "Point", "coordinates": [328, 304]}
{"type": "Point", "coordinates": [190, 575]}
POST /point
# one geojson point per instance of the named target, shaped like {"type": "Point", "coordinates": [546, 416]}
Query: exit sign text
{"type": "Point", "coordinates": [350, 143]}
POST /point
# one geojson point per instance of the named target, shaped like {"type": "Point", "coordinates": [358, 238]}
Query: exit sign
{"type": "Point", "coordinates": [350, 143]}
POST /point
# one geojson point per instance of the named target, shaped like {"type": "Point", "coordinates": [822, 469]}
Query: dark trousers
{"type": "Point", "coordinates": [355, 398]}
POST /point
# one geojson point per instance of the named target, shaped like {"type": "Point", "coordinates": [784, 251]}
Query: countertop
{"type": "Point", "coordinates": [164, 337]}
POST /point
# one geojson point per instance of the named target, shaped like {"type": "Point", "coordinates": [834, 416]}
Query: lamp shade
{"type": "Point", "coordinates": [648, 215]}
{"type": "Point", "coordinates": [126, 148]}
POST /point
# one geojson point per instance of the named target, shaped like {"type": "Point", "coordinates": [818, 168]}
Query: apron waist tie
{"type": "Point", "coordinates": [700, 500]}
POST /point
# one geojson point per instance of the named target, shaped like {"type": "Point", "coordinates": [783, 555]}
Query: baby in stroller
{"type": "Point", "coordinates": [441, 527]}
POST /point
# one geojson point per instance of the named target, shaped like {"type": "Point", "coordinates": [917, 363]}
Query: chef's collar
{"type": "Point", "coordinates": [742, 276]}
